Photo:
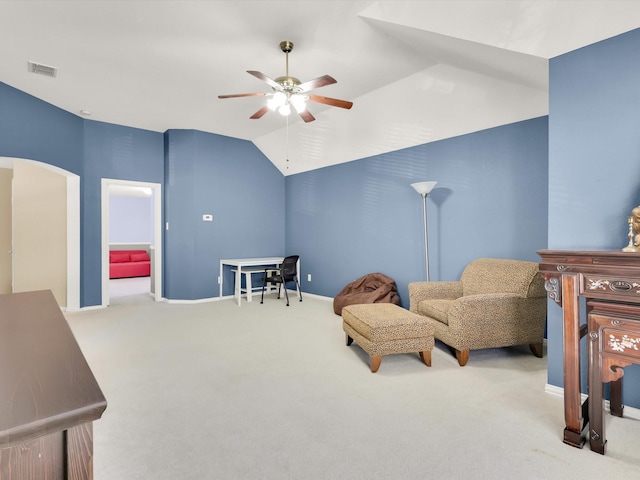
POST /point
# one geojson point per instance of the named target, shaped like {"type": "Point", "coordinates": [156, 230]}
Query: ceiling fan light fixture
{"type": "Point", "coordinates": [284, 110]}
{"type": "Point", "coordinates": [299, 102]}
{"type": "Point", "coordinates": [279, 99]}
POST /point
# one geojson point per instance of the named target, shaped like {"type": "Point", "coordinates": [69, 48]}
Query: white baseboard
{"type": "Point", "coordinates": [629, 412]}
{"type": "Point", "coordinates": [203, 300]}
{"type": "Point", "coordinates": [313, 295]}
{"type": "Point", "coordinates": [84, 309]}
{"type": "Point", "coordinates": [199, 300]}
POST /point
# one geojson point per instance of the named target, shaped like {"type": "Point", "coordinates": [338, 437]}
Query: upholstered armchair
{"type": "Point", "coordinates": [496, 303]}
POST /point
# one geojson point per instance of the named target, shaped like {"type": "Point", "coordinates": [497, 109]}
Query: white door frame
{"type": "Point", "coordinates": [106, 183]}
{"type": "Point", "coordinates": [73, 228]}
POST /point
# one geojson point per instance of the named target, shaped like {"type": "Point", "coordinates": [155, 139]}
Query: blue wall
{"type": "Point", "coordinates": [206, 173]}
{"type": "Point", "coordinates": [36, 130]}
{"type": "Point", "coordinates": [361, 217]}
{"type": "Point", "coordinates": [232, 180]}
{"type": "Point", "coordinates": [117, 152]}
{"type": "Point", "coordinates": [594, 162]}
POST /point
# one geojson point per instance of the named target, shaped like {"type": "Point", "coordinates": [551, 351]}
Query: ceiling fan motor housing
{"type": "Point", "coordinates": [289, 84]}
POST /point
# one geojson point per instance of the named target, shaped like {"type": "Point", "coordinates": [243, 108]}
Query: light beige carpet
{"type": "Point", "coordinates": [217, 391]}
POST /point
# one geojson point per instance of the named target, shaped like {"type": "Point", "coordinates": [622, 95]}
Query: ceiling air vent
{"type": "Point", "coordinates": [41, 69]}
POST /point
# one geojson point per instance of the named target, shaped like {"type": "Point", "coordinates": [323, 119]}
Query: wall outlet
{"type": "Point", "coordinates": [309, 277]}
{"type": "Point", "coordinates": [207, 217]}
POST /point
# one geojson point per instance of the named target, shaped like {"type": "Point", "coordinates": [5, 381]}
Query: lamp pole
{"type": "Point", "coordinates": [424, 188]}
{"type": "Point", "coordinates": [426, 237]}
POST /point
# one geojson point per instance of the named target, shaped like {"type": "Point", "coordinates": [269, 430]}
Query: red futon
{"type": "Point", "coordinates": [129, 263]}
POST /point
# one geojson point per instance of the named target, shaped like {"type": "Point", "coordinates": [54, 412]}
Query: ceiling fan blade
{"type": "Point", "coordinates": [334, 102]}
{"type": "Point", "coordinates": [306, 116]}
{"type": "Point", "coordinates": [261, 76]}
{"type": "Point", "coordinates": [317, 83]}
{"type": "Point", "coordinates": [259, 113]}
{"type": "Point", "coordinates": [236, 95]}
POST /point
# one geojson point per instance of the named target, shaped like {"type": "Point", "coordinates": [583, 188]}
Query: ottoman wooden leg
{"type": "Point", "coordinates": [374, 361]}
{"type": "Point", "coordinates": [462, 356]}
{"type": "Point", "coordinates": [426, 357]}
{"type": "Point", "coordinates": [349, 340]}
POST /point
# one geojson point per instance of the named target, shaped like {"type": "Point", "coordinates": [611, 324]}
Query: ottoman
{"type": "Point", "coordinates": [384, 328]}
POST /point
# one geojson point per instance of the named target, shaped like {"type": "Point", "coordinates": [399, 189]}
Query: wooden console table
{"type": "Point", "coordinates": [48, 395]}
{"type": "Point", "coordinates": [610, 281]}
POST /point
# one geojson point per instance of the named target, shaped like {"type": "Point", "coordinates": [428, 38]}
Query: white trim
{"type": "Point", "coordinates": [106, 184]}
{"type": "Point", "coordinates": [90, 307]}
{"type": "Point", "coordinates": [629, 412]}
{"type": "Point", "coordinates": [199, 300]}
{"type": "Point", "coordinates": [73, 242]}
{"type": "Point", "coordinates": [313, 295]}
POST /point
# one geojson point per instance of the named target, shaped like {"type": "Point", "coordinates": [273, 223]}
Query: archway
{"type": "Point", "coordinates": [71, 275]}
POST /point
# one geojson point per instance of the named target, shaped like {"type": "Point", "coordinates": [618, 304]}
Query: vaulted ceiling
{"type": "Point", "coordinates": [417, 71]}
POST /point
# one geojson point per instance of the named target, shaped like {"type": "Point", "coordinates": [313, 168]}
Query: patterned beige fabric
{"type": "Point", "coordinates": [384, 328]}
{"type": "Point", "coordinates": [407, 345]}
{"type": "Point", "coordinates": [436, 308]}
{"type": "Point", "coordinates": [492, 275]}
{"type": "Point", "coordinates": [507, 305]}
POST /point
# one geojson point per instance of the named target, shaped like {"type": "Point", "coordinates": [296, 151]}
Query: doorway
{"type": "Point", "coordinates": [44, 203]}
{"type": "Point", "coordinates": [108, 185]}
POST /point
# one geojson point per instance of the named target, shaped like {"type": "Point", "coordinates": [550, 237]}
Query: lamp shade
{"type": "Point", "coordinates": [424, 188]}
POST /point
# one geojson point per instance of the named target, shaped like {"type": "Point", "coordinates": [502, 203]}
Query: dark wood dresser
{"type": "Point", "coordinates": [48, 394]}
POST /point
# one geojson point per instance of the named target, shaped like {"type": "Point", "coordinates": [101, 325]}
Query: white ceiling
{"type": "Point", "coordinates": [417, 71]}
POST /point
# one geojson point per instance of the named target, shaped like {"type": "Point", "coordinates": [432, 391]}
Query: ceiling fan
{"type": "Point", "coordinates": [289, 92]}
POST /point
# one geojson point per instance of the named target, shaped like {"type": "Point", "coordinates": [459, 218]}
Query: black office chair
{"type": "Point", "coordinates": [287, 272]}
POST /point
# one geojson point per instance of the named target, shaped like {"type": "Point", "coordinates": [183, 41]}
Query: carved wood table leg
{"type": "Point", "coordinates": [596, 390]}
{"type": "Point", "coordinates": [574, 421]}
{"type": "Point", "coordinates": [375, 361]}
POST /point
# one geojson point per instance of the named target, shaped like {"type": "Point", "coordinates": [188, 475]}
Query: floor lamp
{"type": "Point", "coordinates": [424, 189]}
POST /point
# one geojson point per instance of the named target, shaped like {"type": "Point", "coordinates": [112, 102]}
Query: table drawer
{"type": "Point", "coordinates": [603, 286]}
{"type": "Point", "coordinates": [620, 341]}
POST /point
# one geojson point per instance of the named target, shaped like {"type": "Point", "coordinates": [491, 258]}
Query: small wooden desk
{"type": "Point", "coordinates": [48, 395]}
{"type": "Point", "coordinates": [612, 278]}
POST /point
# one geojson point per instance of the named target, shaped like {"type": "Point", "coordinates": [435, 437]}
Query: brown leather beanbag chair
{"type": "Point", "coordinates": [372, 288]}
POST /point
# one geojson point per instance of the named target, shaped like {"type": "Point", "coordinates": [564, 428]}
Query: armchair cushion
{"type": "Point", "coordinates": [436, 308]}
